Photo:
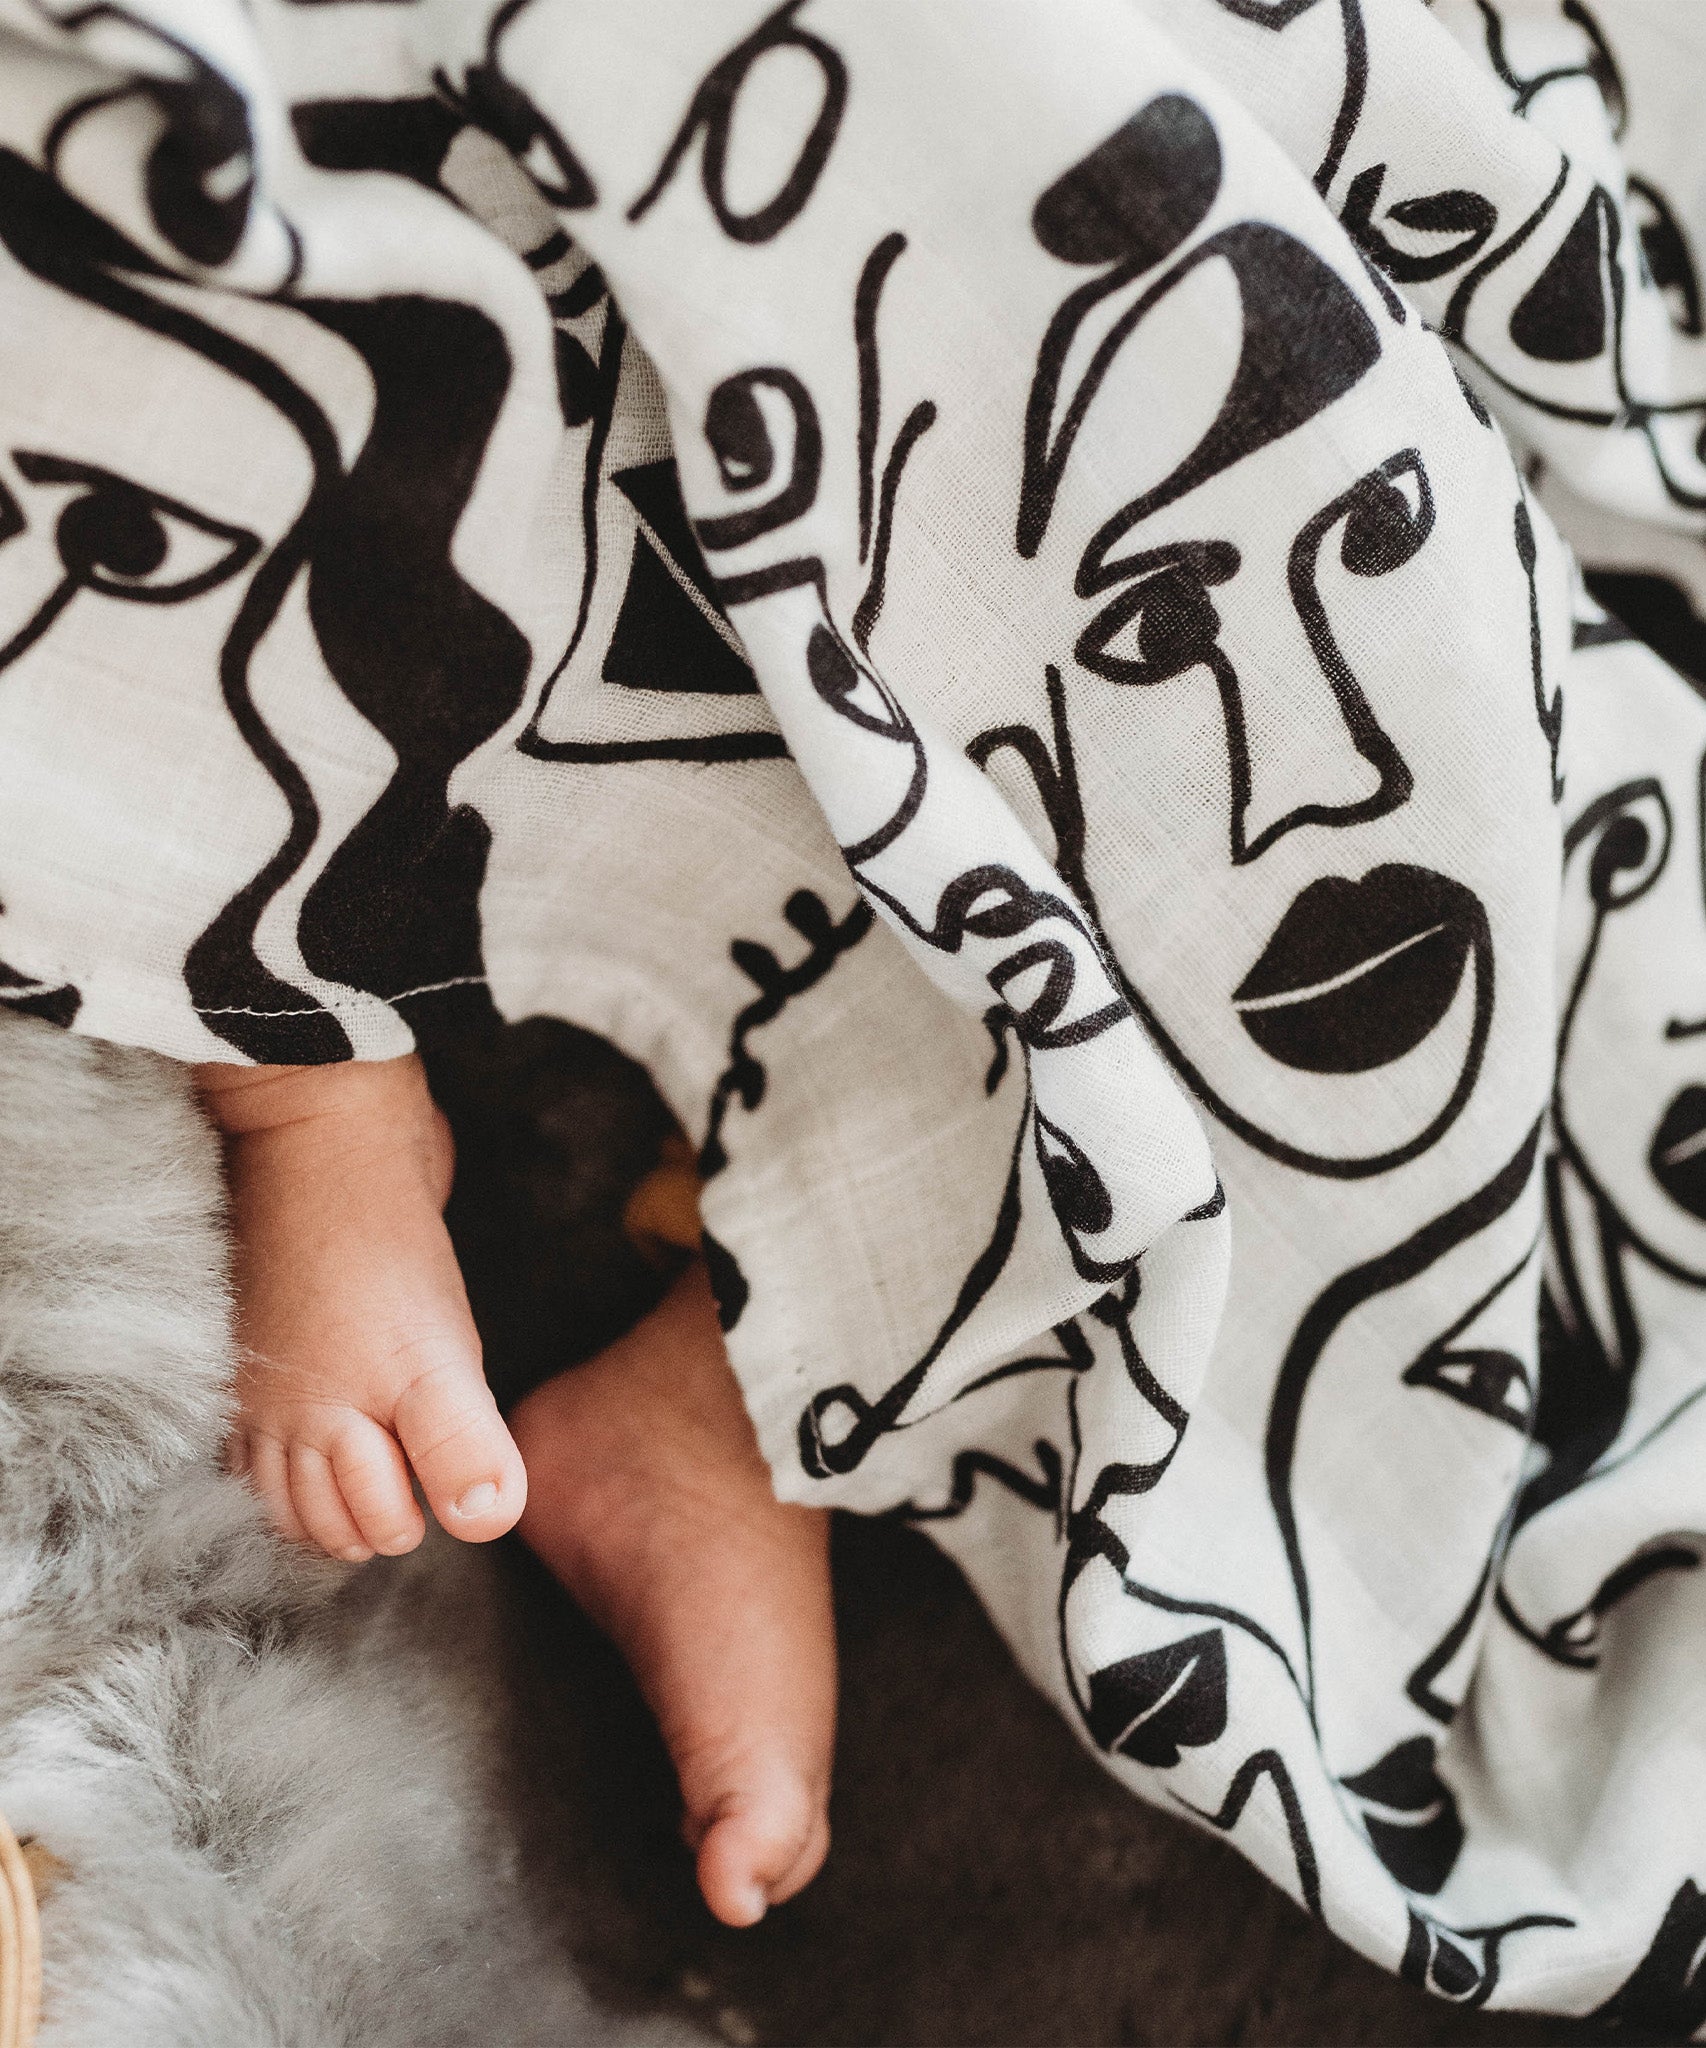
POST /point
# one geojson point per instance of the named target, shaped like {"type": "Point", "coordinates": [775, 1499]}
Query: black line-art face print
{"type": "Point", "coordinates": [682, 689]}
{"type": "Point", "coordinates": [1152, 1703]}
{"type": "Point", "coordinates": [1385, 517]}
{"type": "Point", "coordinates": [1360, 960]}
{"type": "Point", "coordinates": [1546, 310]}
{"type": "Point", "coordinates": [1039, 959]}
{"type": "Point", "coordinates": [491, 99]}
{"type": "Point", "coordinates": [190, 197]}
{"type": "Point", "coordinates": [104, 534]}
{"type": "Point", "coordinates": [778, 468]}
{"type": "Point", "coordinates": [1626, 1198]}
{"type": "Point", "coordinates": [1668, 257]}
{"type": "Point", "coordinates": [1635, 885]}
{"type": "Point", "coordinates": [1590, 58]}
{"type": "Point", "coordinates": [427, 661]}
{"type": "Point", "coordinates": [1280, 14]}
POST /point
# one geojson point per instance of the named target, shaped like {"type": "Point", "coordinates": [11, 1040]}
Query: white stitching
{"type": "Point", "coordinates": [427, 988]}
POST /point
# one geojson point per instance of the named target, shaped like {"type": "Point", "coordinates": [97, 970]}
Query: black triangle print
{"type": "Point", "coordinates": [1561, 317]}
{"type": "Point", "coordinates": [654, 491]}
{"type": "Point", "coordinates": [663, 641]}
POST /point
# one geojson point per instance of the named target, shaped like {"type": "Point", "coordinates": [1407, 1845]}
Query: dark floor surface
{"type": "Point", "coordinates": [988, 1883]}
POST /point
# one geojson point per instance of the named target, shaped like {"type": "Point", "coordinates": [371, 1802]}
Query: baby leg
{"type": "Point", "coordinates": [359, 1358]}
{"type": "Point", "coordinates": [649, 1499]}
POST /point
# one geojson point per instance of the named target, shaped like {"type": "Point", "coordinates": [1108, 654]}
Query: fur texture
{"type": "Point", "coordinates": [275, 1781]}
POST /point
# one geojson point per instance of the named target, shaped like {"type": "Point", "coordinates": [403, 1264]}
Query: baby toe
{"type": "Point", "coordinates": [373, 1480]}
{"type": "Point", "coordinates": [269, 1474]}
{"type": "Point", "coordinates": [320, 1506]}
{"type": "Point", "coordinates": [464, 1457]}
{"type": "Point", "coordinates": [767, 1841]}
{"type": "Point", "coordinates": [806, 1865]}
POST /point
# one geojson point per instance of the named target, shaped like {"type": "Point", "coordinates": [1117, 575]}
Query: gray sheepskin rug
{"type": "Point", "coordinates": [274, 1785]}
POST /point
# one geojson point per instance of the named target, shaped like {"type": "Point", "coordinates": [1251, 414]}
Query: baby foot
{"type": "Point", "coordinates": [359, 1358]}
{"type": "Point", "coordinates": [651, 1502]}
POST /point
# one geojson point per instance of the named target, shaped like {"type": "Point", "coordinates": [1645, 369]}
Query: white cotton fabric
{"type": "Point", "coordinates": [1186, 952]}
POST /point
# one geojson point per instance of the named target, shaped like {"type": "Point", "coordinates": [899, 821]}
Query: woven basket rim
{"type": "Point", "coordinates": [20, 1945]}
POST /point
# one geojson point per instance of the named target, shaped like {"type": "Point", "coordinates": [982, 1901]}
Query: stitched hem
{"type": "Point", "coordinates": [427, 988]}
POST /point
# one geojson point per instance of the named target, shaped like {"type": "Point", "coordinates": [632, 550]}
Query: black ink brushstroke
{"type": "Point", "coordinates": [431, 664]}
{"type": "Point", "coordinates": [743, 1079]}
{"type": "Point", "coordinates": [1668, 256]}
{"type": "Point", "coordinates": [662, 640]}
{"type": "Point", "coordinates": [655, 499]}
{"type": "Point", "coordinates": [407, 138]}
{"type": "Point", "coordinates": [1410, 1814]}
{"type": "Point", "coordinates": [739, 438]}
{"type": "Point", "coordinates": [1561, 317]}
{"type": "Point", "coordinates": [1664, 1997]}
{"type": "Point", "coordinates": [1479, 1377]}
{"type": "Point", "coordinates": [1657, 610]}
{"type": "Point", "coordinates": [913, 428]}
{"type": "Point", "coordinates": [491, 100]}
{"type": "Point", "coordinates": [823, 1455]}
{"type": "Point", "coordinates": [1269, 1764]}
{"type": "Point", "coordinates": [1306, 341]}
{"type": "Point", "coordinates": [1548, 715]}
{"type": "Point", "coordinates": [1351, 98]}
{"type": "Point", "coordinates": [711, 112]}
{"type": "Point", "coordinates": [1461, 1964]}
{"type": "Point", "coordinates": [867, 297]}
{"type": "Point", "coordinates": [1040, 1491]}
{"type": "Point", "coordinates": [52, 1002]}
{"type": "Point", "coordinates": [1150, 1706]}
{"type": "Point", "coordinates": [1356, 975]}
{"type": "Point", "coordinates": [1468, 217]}
{"type": "Point", "coordinates": [58, 240]}
{"type": "Point", "coordinates": [1467, 1218]}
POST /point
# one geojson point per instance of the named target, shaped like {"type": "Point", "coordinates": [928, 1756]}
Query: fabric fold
{"type": "Point", "coordinates": [982, 589]}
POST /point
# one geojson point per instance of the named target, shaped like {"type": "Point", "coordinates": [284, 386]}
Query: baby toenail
{"type": "Point", "coordinates": [478, 1500]}
{"type": "Point", "coordinates": [755, 1903]}
{"type": "Point", "coordinates": [357, 1553]}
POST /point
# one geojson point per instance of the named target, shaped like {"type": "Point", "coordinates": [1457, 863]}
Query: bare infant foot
{"type": "Point", "coordinates": [360, 1359]}
{"type": "Point", "coordinates": [651, 1502]}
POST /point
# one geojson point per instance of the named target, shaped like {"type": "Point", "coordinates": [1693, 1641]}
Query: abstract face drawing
{"type": "Point", "coordinates": [135, 515]}
{"type": "Point", "coordinates": [114, 534]}
{"type": "Point", "coordinates": [109, 508]}
{"type": "Point", "coordinates": [1634, 1019]}
{"type": "Point", "coordinates": [1285, 684]}
{"type": "Point", "coordinates": [111, 537]}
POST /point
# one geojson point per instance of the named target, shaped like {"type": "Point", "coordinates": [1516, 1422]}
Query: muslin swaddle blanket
{"type": "Point", "coordinates": [1048, 706]}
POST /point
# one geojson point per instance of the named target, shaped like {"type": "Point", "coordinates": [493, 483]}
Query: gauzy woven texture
{"type": "Point", "coordinates": [1172, 911]}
